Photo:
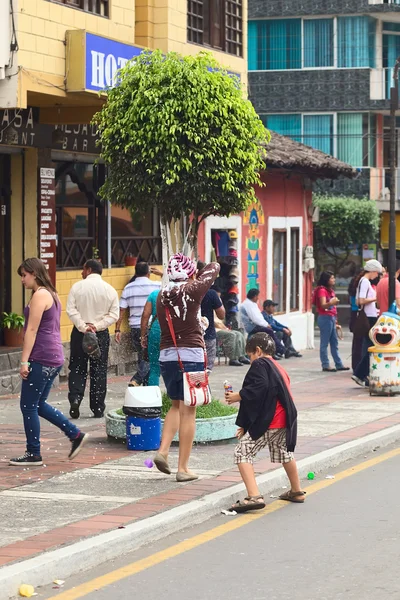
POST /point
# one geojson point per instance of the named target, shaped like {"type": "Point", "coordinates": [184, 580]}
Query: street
{"type": "Point", "coordinates": [342, 543]}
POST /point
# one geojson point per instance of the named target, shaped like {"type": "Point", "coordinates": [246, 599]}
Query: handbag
{"type": "Point", "coordinates": [361, 326]}
{"type": "Point", "coordinates": [196, 387]}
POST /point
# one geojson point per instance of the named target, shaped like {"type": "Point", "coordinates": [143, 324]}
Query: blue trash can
{"type": "Point", "coordinates": [142, 407]}
{"type": "Point", "coordinates": [143, 433]}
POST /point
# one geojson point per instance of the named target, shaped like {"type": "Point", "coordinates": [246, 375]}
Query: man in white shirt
{"type": "Point", "coordinates": [134, 297]}
{"type": "Point", "coordinates": [253, 321]}
{"type": "Point", "coordinates": [92, 305]}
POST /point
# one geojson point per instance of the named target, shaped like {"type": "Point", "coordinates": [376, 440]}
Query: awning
{"type": "Point", "coordinates": [385, 230]}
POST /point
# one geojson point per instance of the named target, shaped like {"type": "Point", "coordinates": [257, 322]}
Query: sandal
{"type": "Point", "coordinates": [293, 496]}
{"type": "Point", "coordinates": [249, 503]}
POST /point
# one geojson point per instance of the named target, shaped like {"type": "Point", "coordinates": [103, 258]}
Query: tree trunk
{"type": "Point", "coordinates": [166, 244]}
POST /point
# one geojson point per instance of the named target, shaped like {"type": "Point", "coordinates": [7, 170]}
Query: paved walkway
{"type": "Point", "coordinates": [106, 487]}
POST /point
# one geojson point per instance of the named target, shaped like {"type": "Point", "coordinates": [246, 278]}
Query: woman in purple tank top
{"type": "Point", "coordinates": [41, 362]}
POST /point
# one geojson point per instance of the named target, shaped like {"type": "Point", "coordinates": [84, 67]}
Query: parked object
{"type": "Point", "coordinates": [13, 329]}
{"type": "Point", "coordinates": [384, 379]}
{"type": "Point", "coordinates": [142, 407]}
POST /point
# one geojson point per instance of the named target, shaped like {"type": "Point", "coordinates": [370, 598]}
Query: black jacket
{"type": "Point", "coordinates": [262, 386]}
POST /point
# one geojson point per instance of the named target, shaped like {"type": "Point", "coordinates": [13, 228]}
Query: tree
{"type": "Point", "coordinates": [178, 134]}
{"type": "Point", "coordinates": [343, 221]}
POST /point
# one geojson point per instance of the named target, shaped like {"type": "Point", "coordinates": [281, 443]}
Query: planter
{"type": "Point", "coordinates": [207, 430]}
{"type": "Point", "coordinates": [14, 338]}
{"type": "Point", "coordinates": [130, 261]}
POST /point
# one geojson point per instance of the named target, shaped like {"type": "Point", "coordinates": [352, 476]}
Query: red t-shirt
{"type": "Point", "coordinates": [322, 292]}
{"type": "Point", "coordinates": [382, 293]}
{"type": "Point", "coordinates": [279, 420]}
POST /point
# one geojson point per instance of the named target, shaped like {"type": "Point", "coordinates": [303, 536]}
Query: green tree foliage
{"type": "Point", "coordinates": [179, 135]}
{"type": "Point", "coordinates": [343, 221]}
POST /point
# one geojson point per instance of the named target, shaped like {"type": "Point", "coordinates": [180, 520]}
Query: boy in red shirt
{"type": "Point", "coordinates": [267, 416]}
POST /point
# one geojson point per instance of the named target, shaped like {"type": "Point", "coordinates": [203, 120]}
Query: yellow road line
{"type": "Point", "coordinates": [198, 540]}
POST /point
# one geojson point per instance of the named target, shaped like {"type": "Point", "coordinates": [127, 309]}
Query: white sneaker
{"type": "Point", "coordinates": [358, 381]}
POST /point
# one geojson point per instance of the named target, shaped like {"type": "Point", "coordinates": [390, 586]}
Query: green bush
{"type": "Point", "coordinates": [214, 409]}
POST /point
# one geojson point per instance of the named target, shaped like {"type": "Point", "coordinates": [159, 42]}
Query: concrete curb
{"type": "Point", "coordinates": [64, 562]}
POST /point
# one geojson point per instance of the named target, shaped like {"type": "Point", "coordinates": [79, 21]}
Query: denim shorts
{"type": "Point", "coordinates": [173, 376]}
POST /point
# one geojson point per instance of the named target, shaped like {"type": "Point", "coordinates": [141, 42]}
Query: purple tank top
{"type": "Point", "coordinates": [48, 349]}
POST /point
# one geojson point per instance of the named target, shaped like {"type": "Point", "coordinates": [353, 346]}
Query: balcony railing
{"type": "Point", "coordinates": [146, 248]}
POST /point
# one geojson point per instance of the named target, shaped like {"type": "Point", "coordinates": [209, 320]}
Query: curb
{"type": "Point", "coordinates": [81, 556]}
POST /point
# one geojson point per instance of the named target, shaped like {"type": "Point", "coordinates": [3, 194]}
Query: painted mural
{"type": "Point", "coordinates": [253, 218]}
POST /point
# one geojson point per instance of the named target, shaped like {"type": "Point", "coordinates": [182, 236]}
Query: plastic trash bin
{"type": "Point", "coordinates": [142, 407]}
{"type": "Point", "coordinates": [384, 378]}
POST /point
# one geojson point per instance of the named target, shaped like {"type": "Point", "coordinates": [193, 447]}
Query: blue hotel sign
{"type": "Point", "coordinates": [93, 60]}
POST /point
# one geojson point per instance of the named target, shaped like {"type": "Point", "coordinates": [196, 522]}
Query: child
{"type": "Point", "coordinates": [267, 416]}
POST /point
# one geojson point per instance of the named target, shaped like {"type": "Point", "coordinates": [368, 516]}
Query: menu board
{"type": "Point", "coordinates": [47, 220]}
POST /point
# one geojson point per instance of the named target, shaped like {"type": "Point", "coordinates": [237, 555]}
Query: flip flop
{"type": "Point", "coordinates": [290, 496]}
{"type": "Point", "coordinates": [249, 503]}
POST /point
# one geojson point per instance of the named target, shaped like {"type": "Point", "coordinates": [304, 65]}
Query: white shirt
{"type": "Point", "coordinates": [92, 300]}
{"type": "Point", "coordinates": [134, 296]}
{"type": "Point", "coordinates": [251, 315]}
{"type": "Point", "coordinates": [365, 290]}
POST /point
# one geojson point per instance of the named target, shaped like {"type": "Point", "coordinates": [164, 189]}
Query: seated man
{"type": "Point", "coordinates": [283, 333]}
{"type": "Point", "coordinates": [233, 344]}
{"type": "Point", "coordinates": [253, 321]}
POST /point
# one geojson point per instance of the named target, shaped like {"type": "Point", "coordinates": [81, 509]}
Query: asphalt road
{"type": "Point", "coordinates": [343, 543]}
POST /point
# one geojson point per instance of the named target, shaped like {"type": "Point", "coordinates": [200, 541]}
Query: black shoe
{"type": "Point", "coordinates": [98, 414]}
{"type": "Point", "coordinates": [235, 363]}
{"type": "Point", "coordinates": [27, 459]}
{"type": "Point", "coordinates": [276, 357]}
{"type": "Point", "coordinates": [342, 368]}
{"type": "Point", "coordinates": [244, 360]}
{"type": "Point", "coordinates": [292, 354]}
{"type": "Point", "coordinates": [329, 369]}
{"type": "Point", "coordinates": [74, 409]}
{"type": "Point", "coordinates": [77, 445]}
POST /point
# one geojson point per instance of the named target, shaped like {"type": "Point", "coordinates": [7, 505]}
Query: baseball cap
{"type": "Point", "coordinates": [90, 344]}
{"type": "Point", "coordinates": [270, 303]}
{"type": "Point", "coordinates": [373, 265]}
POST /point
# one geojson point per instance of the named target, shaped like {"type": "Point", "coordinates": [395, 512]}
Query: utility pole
{"type": "Point", "coordinates": [394, 103]}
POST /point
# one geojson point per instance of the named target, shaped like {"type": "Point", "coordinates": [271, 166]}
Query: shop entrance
{"type": "Point", "coordinates": [5, 235]}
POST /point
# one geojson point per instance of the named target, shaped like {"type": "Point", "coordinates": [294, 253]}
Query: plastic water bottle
{"type": "Point", "coordinates": [227, 386]}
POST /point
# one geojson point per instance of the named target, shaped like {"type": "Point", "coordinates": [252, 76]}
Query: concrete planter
{"type": "Point", "coordinates": [207, 430]}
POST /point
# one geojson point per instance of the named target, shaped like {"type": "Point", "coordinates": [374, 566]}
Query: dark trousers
{"type": "Point", "coordinates": [357, 345]}
{"type": "Point", "coordinates": [78, 371]}
{"type": "Point", "coordinates": [286, 339]}
{"type": "Point", "coordinates": [280, 348]}
{"type": "Point", "coordinates": [143, 366]}
{"type": "Point", "coordinates": [362, 369]}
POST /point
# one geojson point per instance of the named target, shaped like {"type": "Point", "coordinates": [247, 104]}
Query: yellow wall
{"type": "Point", "coordinates": [117, 277]}
{"type": "Point", "coordinates": [42, 25]}
{"type": "Point", "coordinates": [41, 35]}
{"type": "Point", "coordinates": [163, 24]}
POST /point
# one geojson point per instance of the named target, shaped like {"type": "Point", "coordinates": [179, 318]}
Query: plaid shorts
{"type": "Point", "coordinates": [247, 448]}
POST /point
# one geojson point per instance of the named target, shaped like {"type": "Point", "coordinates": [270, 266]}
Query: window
{"type": "Point", "coordinates": [318, 132]}
{"type": "Point", "coordinates": [279, 242]}
{"type": "Point", "coordinates": [216, 23]}
{"type": "Point", "coordinates": [294, 268]}
{"type": "Point", "coordinates": [289, 125]}
{"type": "Point", "coordinates": [318, 43]}
{"type": "Point", "coordinates": [97, 7]}
{"type": "Point", "coordinates": [352, 139]}
{"type": "Point", "coordinates": [284, 272]}
{"type": "Point", "coordinates": [275, 44]}
{"type": "Point", "coordinates": [356, 42]}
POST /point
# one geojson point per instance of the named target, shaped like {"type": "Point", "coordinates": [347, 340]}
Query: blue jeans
{"type": "Point", "coordinates": [327, 327]}
{"type": "Point", "coordinates": [34, 393]}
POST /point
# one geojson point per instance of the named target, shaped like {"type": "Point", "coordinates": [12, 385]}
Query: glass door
{"type": "Point", "coordinates": [5, 235]}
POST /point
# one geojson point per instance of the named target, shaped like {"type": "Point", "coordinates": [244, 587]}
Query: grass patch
{"type": "Point", "coordinates": [214, 409]}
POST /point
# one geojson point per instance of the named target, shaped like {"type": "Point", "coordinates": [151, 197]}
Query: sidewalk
{"type": "Point", "coordinates": [106, 487]}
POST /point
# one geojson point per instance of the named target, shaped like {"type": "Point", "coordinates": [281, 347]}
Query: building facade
{"type": "Point", "coordinates": [270, 246]}
{"type": "Point", "coordinates": [320, 71]}
{"type": "Point", "coordinates": [55, 58]}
